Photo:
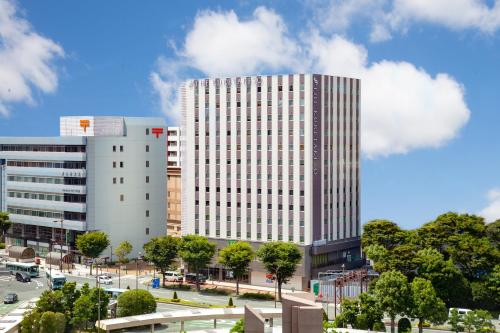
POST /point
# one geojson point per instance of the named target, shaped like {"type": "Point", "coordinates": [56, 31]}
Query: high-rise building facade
{"type": "Point", "coordinates": [174, 187]}
{"type": "Point", "coordinates": [275, 158]}
{"type": "Point", "coordinates": [102, 173]}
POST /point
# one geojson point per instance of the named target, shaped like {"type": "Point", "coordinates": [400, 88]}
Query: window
{"type": "Point", "coordinates": [114, 149]}
{"type": "Point", "coordinates": [121, 164]}
{"type": "Point", "coordinates": [114, 164]}
{"type": "Point", "coordinates": [122, 197]}
{"type": "Point", "coordinates": [147, 231]}
{"type": "Point", "coordinates": [147, 164]}
{"type": "Point", "coordinates": [121, 180]}
{"type": "Point", "coordinates": [114, 180]}
{"type": "Point", "coordinates": [121, 149]}
{"type": "Point", "coordinates": [147, 196]}
{"type": "Point", "coordinates": [147, 131]}
{"type": "Point", "coordinates": [147, 213]}
{"type": "Point", "coordinates": [147, 148]}
{"type": "Point", "coordinates": [147, 179]}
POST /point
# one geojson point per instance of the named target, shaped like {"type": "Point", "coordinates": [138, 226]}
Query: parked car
{"type": "Point", "coordinates": [105, 279]}
{"type": "Point", "coordinates": [10, 298]}
{"type": "Point", "coordinates": [23, 277]}
{"type": "Point", "coordinates": [173, 277]}
{"type": "Point", "coordinates": [191, 278]}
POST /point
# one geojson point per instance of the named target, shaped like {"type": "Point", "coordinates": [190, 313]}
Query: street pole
{"type": "Point", "coordinates": [98, 297]}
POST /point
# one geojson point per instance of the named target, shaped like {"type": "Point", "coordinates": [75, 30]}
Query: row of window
{"type": "Point", "coordinates": [249, 176]}
{"type": "Point", "coordinates": [35, 212]}
{"type": "Point", "coordinates": [44, 148]}
{"type": "Point", "coordinates": [48, 164]}
{"type": "Point", "coordinates": [259, 191]}
{"type": "Point", "coordinates": [259, 147]}
{"type": "Point", "coordinates": [122, 164]}
{"type": "Point", "coordinates": [36, 196]}
{"type": "Point", "coordinates": [258, 221]}
{"type": "Point", "coordinates": [41, 180]}
{"type": "Point", "coordinates": [248, 89]}
{"type": "Point", "coordinates": [249, 103]}
{"type": "Point", "coordinates": [249, 205]}
{"type": "Point", "coordinates": [249, 235]}
{"type": "Point", "coordinates": [249, 117]}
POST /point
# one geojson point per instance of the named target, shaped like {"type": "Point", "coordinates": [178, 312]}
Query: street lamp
{"type": "Point", "coordinates": [61, 243]}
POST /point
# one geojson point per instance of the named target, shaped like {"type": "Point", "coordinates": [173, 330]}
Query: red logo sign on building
{"type": "Point", "coordinates": [84, 123]}
{"type": "Point", "coordinates": [157, 132]}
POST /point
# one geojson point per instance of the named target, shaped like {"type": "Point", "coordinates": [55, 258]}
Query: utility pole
{"type": "Point", "coordinates": [61, 244]}
{"type": "Point", "coordinates": [98, 296]}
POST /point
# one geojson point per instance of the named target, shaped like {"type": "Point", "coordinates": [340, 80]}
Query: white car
{"type": "Point", "coordinates": [104, 279]}
{"type": "Point", "coordinates": [173, 277]}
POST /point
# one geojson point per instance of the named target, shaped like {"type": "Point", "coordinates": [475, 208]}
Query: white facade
{"type": "Point", "coordinates": [105, 173]}
{"type": "Point", "coordinates": [271, 158]}
{"type": "Point", "coordinates": [173, 147]}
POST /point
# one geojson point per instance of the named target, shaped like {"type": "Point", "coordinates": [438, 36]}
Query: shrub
{"type": "Point", "coordinates": [239, 327]}
{"type": "Point", "coordinates": [52, 322]}
{"type": "Point", "coordinates": [136, 302]}
{"type": "Point", "coordinates": [175, 296]}
{"type": "Point", "coordinates": [404, 325]}
{"type": "Point", "coordinates": [257, 296]}
{"type": "Point", "coordinates": [230, 303]}
{"type": "Point", "coordinates": [216, 291]}
{"type": "Point", "coordinates": [379, 327]}
{"type": "Point", "coordinates": [2, 246]}
{"type": "Point", "coordinates": [184, 287]}
{"type": "Point", "coordinates": [361, 322]}
{"type": "Point", "coordinates": [339, 322]}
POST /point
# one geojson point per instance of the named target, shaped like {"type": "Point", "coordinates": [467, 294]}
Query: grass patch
{"type": "Point", "coordinates": [216, 291]}
{"type": "Point", "coordinates": [257, 296]}
{"type": "Point", "coordinates": [188, 303]}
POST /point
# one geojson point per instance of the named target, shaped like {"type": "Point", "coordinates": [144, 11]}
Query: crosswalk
{"type": "Point", "coordinates": [6, 278]}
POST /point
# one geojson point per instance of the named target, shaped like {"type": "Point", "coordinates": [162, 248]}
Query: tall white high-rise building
{"type": "Point", "coordinates": [101, 173]}
{"type": "Point", "coordinates": [274, 158]}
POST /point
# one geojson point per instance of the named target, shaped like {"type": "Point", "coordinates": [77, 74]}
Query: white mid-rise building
{"type": "Point", "coordinates": [101, 173]}
{"type": "Point", "coordinates": [173, 147]}
{"type": "Point", "coordinates": [274, 158]}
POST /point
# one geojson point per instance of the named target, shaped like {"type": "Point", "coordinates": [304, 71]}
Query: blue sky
{"type": "Point", "coordinates": [430, 73]}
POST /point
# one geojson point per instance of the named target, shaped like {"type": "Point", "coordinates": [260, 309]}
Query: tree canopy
{"type": "Point", "coordinates": [92, 244]}
{"type": "Point", "coordinates": [237, 257]}
{"type": "Point", "coordinates": [5, 223]}
{"type": "Point", "coordinates": [280, 259]}
{"type": "Point", "coordinates": [136, 302]}
{"type": "Point", "coordinates": [122, 251]}
{"type": "Point", "coordinates": [197, 252]}
{"type": "Point", "coordinates": [162, 251]}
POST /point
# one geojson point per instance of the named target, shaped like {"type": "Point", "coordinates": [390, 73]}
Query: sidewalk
{"type": "Point", "coordinates": [246, 287]}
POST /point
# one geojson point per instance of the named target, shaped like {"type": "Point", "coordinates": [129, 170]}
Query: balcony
{"type": "Point", "coordinates": [48, 222]}
{"type": "Point", "coordinates": [49, 205]}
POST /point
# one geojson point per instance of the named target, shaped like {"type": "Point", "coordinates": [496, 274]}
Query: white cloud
{"type": "Point", "coordinates": [403, 107]}
{"type": "Point", "coordinates": [389, 16]}
{"type": "Point", "coordinates": [492, 211]}
{"type": "Point", "coordinates": [25, 59]}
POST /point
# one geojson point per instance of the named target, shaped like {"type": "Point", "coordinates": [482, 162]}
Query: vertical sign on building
{"type": "Point", "coordinates": [316, 152]}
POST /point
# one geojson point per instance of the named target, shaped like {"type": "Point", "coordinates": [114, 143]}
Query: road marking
{"type": "Point", "coordinates": [38, 284]}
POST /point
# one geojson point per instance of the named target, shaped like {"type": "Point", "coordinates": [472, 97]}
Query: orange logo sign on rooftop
{"type": "Point", "coordinates": [84, 123]}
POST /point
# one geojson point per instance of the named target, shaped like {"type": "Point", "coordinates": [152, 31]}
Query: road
{"type": "Point", "coordinates": [27, 291]}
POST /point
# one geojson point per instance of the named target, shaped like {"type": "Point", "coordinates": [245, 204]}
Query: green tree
{"type": "Point", "coordinates": [92, 244]}
{"type": "Point", "coordinates": [482, 322]}
{"type": "Point", "coordinates": [197, 252]}
{"type": "Point", "coordinates": [122, 251]}
{"type": "Point", "coordinates": [239, 327]}
{"type": "Point", "coordinates": [51, 301]}
{"type": "Point", "coordinates": [82, 311]}
{"type": "Point", "coordinates": [70, 295]}
{"type": "Point", "coordinates": [237, 257]}
{"type": "Point", "coordinates": [51, 322]}
{"type": "Point", "coordinates": [382, 232]}
{"type": "Point", "coordinates": [370, 308]}
{"type": "Point", "coordinates": [162, 251]}
{"type": "Point", "coordinates": [455, 321]}
{"type": "Point", "coordinates": [31, 322]}
{"type": "Point", "coordinates": [392, 292]}
{"type": "Point", "coordinates": [136, 302]}
{"type": "Point", "coordinates": [349, 311]}
{"type": "Point", "coordinates": [469, 320]}
{"type": "Point", "coordinates": [448, 281]}
{"type": "Point", "coordinates": [95, 295]}
{"type": "Point", "coordinates": [493, 233]}
{"type": "Point", "coordinates": [425, 305]}
{"type": "Point", "coordinates": [5, 224]}
{"type": "Point", "coordinates": [280, 259]}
